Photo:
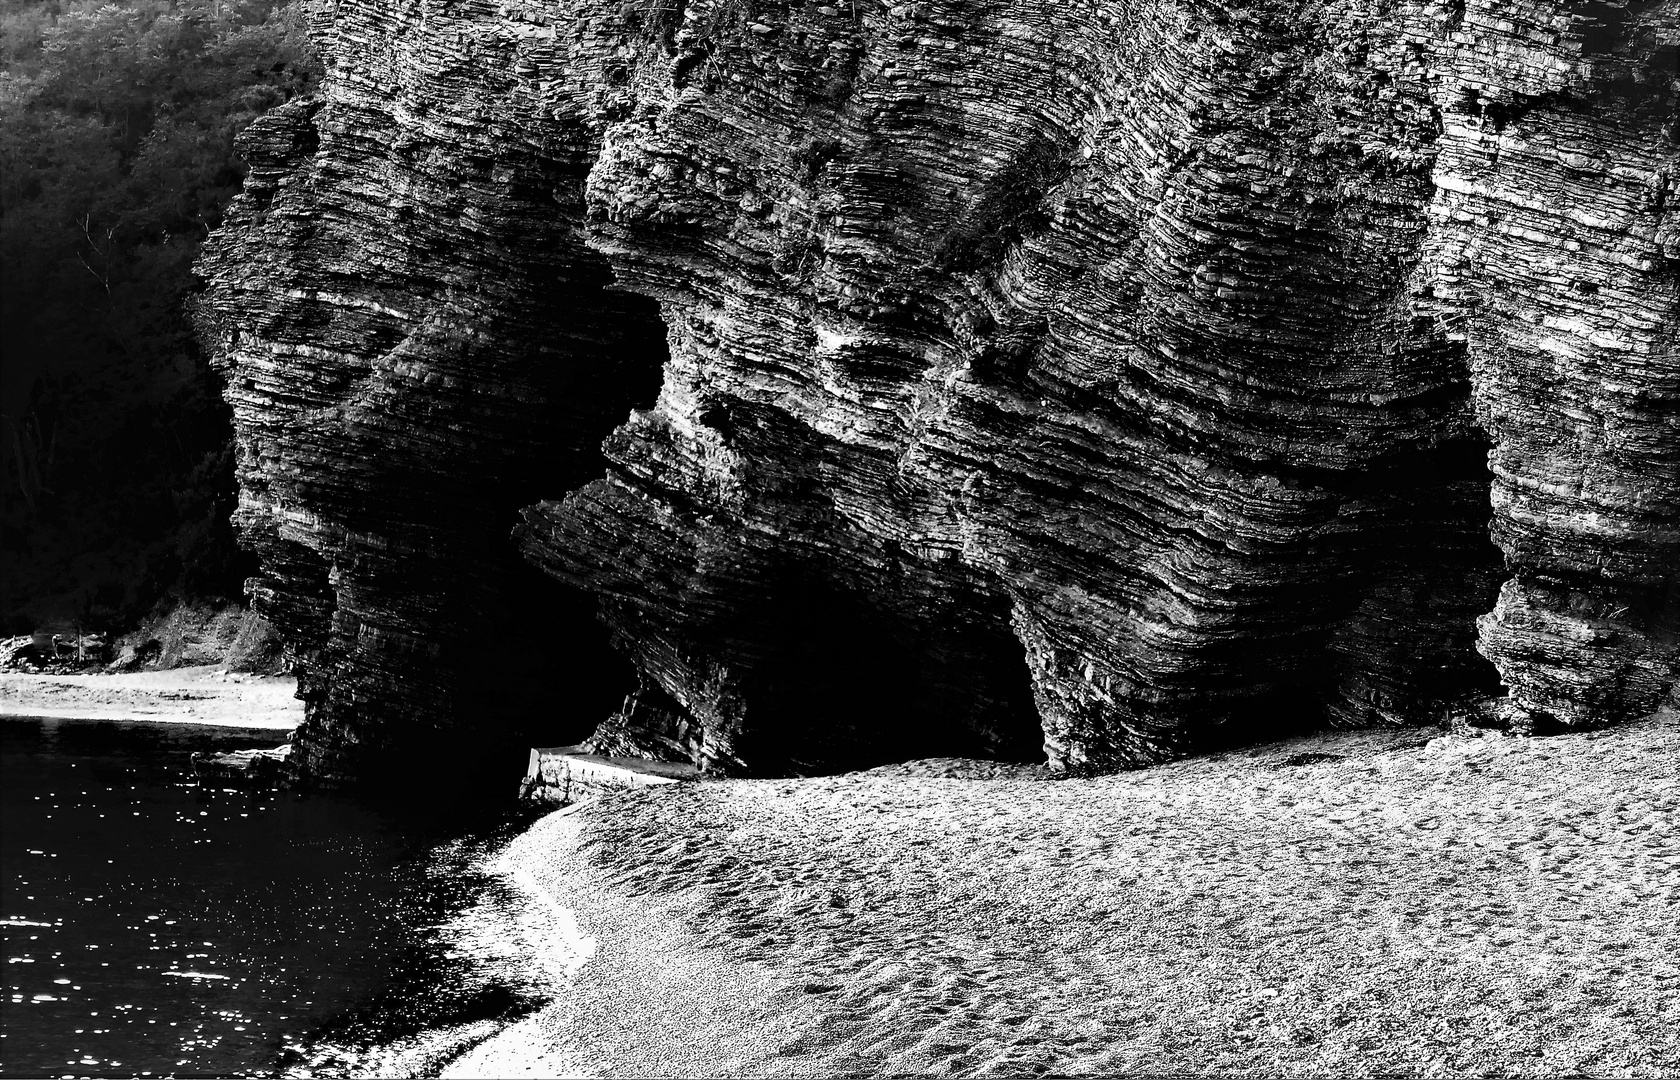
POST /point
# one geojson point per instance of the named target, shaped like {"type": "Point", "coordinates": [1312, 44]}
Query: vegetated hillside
{"type": "Point", "coordinates": [117, 123]}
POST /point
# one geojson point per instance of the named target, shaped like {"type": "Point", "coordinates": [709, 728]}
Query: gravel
{"type": "Point", "coordinates": [1367, 903]}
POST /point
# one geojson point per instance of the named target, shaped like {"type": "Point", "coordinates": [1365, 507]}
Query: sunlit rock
{"type": "Point", "coordinates": [1098, 380]}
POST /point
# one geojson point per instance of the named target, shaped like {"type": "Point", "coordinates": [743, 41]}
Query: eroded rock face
{"type": "Point", "coordinates": [1101, 380]}
{"type": "Point", "coordinates": [415, 344]}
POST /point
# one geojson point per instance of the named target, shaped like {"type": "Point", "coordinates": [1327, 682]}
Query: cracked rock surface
{"type": "Point", "coordinates": [1097, 382]}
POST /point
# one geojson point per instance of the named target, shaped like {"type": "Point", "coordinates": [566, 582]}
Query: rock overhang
{"type": "Point", "coordinates": [1146, 360]}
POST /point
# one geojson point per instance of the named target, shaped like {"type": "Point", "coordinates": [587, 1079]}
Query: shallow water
{"type": "Point", "coordinates": [154, 927]}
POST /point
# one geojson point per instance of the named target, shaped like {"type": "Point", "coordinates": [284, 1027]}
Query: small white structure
{"type": "Point", "coordinates": [559, 775]}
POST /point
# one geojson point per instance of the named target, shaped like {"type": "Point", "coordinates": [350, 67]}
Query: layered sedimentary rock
{"type": "Point", "coordinates": [1094, 380]}
{"type": "Point", "coordinates": [415, 345]}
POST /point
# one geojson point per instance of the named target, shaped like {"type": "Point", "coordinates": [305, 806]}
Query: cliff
{"type": "Point", "coordinates": [1099, 380]}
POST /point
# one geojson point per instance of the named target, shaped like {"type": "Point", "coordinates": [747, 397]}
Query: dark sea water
{"type": "Point", "coordinates": [154, 927]}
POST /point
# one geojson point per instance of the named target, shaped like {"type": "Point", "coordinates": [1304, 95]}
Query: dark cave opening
{"type": "Point", "coordinates": [546, 666]}
{"type": "Point", "coordinates": [1405, 648]}
{"type": "Point", "coordinates": [1375, 625]}
{"type": "Point", "coordinates": [845, 683]}
{"type": "Point", "coordinates": [538, 670]}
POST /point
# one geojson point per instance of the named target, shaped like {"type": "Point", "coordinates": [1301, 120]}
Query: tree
{"type": "Point", "coordinates": [116, 159]}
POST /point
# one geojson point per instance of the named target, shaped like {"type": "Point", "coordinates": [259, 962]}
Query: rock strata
{"type": "Point", "coordinates": [1090, 381]}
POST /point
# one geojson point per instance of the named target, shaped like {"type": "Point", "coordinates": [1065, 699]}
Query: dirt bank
{"type": "Point", "coordinates": [1417, 904]}
{"type": "Point", "coordinates": [207, 694]}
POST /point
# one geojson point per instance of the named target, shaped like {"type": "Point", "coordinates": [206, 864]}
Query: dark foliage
{"type": "Point", "coordinates": [116, 160]}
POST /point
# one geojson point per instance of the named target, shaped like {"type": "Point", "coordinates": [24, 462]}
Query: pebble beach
{"type": "Point", "coordinates": [1406, 902]}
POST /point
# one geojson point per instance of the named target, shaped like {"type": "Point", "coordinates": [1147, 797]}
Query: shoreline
{"type": "Point", "coordinates": [1378, 900]}
{"type": "Point", "coordinates": [643, 998]}
{"type": "Point", "coordinates": [205, 695]}
{"type": "Point", "coordinates": [77, 716]}
{"type": "Point", "coordinates": [1394, 900]}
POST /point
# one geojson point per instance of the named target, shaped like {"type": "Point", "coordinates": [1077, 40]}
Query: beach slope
{"type": "Point", "coordinates": [1350, 904]}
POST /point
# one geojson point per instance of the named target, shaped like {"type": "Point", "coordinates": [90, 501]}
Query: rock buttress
{"type": "Point", "coordinates": [415, 345]}
{"type": "Point", "coordinates": [1149, 362]}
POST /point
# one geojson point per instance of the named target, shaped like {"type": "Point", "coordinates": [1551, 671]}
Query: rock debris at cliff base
{"type": "Point", "coordinates": [1100, 381]}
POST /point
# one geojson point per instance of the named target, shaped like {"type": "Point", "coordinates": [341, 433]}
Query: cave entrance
{"type": "Point", "coordinates": [848, 684]}
{"type": "Point", "coordinates": [536, 668]}
{"type": "Point", "coordinates": [546, 666]}
{"type": "Point", "coordinates": [1400, 636]}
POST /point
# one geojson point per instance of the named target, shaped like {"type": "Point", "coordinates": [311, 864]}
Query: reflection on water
{"type": "Point", "coordinates": [153, 927]}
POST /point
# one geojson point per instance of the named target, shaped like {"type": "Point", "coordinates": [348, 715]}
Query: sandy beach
{"type": "Point", "coordinates": [206, 694]}
{"type": "Point", "coordinates": [1369, 903]}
